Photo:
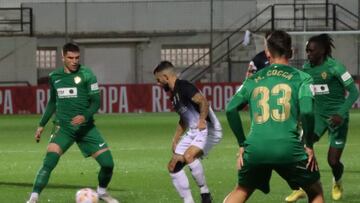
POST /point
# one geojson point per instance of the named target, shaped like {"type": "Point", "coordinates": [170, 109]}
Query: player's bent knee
{"type": "Point", "coordinates": [105, 160]}
{"type": "Point", "coordinates": [189, 158]}
{"type": "Point", "coordinates": [96, 154]}
{"type": "Point", "coordinates": [177, 167]}
{"type": "Point", "coordinates": [53, 147]}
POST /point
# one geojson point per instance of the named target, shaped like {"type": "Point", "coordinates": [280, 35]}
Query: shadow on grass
{"type": "Point", "coordinates": [56, 186]}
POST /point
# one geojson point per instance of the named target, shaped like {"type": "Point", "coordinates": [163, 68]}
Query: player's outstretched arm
{"type": "Point", "coordinates": [307, 120]}
{"type": "Point", "coordinates": [351, 98]}
{"type": "Point", "coordinates": [49, 111]}
{"type": "Point", "coordinates": [50, 108]}
{"type": "Point", "coordinates": [237, 102]}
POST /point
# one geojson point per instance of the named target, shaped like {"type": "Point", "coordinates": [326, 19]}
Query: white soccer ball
{"type": "Point", "coordinates": [86, 195]}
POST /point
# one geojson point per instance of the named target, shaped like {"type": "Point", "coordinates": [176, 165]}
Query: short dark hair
{"type": "Point", "coordinates": [71, 46]}
{"type": "Point", "coordinates": [163, 65]}
{"type": "Point", "coordinates": [325, 42]}
{"type": "Point", "coordinates": [278, 43]}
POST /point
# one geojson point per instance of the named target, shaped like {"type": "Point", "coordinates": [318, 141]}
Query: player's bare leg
{"type": "Point", "coordinates": [315, 193]}
{"type": "Point", "coordinates": [238, 195]}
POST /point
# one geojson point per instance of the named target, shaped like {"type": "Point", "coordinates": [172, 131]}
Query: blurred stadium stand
{"type": "Point", "coordinates": [143, 32]}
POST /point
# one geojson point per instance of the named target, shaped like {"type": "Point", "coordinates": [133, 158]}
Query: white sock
{"type": "Point", "coordinates": [101, 190]}
{"type": "Point", "coordinates": [197, 172]}
{"type": "Point", "coordinates": [182, 185]}
{"type": "Point", "coordinates": [34, 195]}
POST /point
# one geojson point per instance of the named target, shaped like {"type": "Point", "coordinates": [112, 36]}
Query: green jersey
{"type": "Point", "coordinates": [331, 80]}
{"type": "Point", "coordinates": [72, 94]}
{"type": "Point", "coordinates": [273, 95]}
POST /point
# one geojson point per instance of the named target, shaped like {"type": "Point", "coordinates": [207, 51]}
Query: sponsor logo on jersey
{"type": "Point", "coordinates": [324, 75]}
{"type": "Point", "coordinates": [56, 81]}
{"type": "Point", "coordinates": [67, 92]}
{"type": "Point", "coordinates": [321, 89]}
{"type": "Point", "coordinates": [94, 87]}
{"type": "Point", "coordinates": [77, 79]}
{"type": "Point", "coordinates": [346, 76]}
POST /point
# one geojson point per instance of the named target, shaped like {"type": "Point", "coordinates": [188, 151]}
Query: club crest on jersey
{"type": "Point", "coordinates": [324, 75]}
{"type": "Point", "coordinates": [77, 79]}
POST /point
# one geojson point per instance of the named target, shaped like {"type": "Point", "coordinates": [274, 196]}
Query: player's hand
{"type": "Point", "coordinates": [38, 132]}
{"type": "Point", "coordinates": [312, 163]}
{"type": "Point", "coordinates": [240, 161]}
{"type": "Point", "coordinates": [202, 124]}
{"type": "Point", "coordinates": [77, 120]}
{"type": "Point", "coordinates": [335, 120]}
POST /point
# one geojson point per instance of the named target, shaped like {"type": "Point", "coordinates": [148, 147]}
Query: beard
{"type": "Point", "coordinates": [166, 87]}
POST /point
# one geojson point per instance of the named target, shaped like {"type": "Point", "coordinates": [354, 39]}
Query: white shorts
{"type": "Point", "coordinates": [204, 140]}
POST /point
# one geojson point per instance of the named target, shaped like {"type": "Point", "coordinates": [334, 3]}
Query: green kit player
{"type": "Point", "coordinates": [278, 96]}
{"type": "Point", "coordinates": [74, 98]}
{"type": "Point", "coordinates": [331, 82]}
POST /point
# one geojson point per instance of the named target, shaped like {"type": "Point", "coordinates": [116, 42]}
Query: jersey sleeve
{"type": "Point", "coordinates": [342, 74]}
{"type": "Point", "coordinates": [306, 98]}
{"type": "Point", "coordinates": [348, 82]}
{"type": "Point", "coordinates": [50, 107]}
{"type": "Point", "coordinates": [92, 84]}
{"type": "Point", "coordinates": [237, 102]}
{"type": "Point", "coordinates": [94, 94]}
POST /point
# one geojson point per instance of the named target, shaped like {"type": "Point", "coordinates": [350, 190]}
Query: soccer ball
{"type": "Point", "coordinates": [86, 195]}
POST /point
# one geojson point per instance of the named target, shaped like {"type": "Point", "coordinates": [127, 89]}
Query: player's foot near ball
{"type": "Point", "coordinates": [107, 198]}
{"type": "Point", "coordinates": [32, 200]}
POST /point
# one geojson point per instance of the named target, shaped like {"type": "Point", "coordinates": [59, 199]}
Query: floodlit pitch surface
{"type": "Point", "coordinates": [140, 145]}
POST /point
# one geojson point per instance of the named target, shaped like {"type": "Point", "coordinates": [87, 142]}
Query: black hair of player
{"type": "Point", "coordinates": [279, 43]}
{"type": "Point", "coordinates": [325, 42]}
{"type": "Point", "coordinates": [163, 65]}
{"type": "Point", "coordinates": [70, 47]}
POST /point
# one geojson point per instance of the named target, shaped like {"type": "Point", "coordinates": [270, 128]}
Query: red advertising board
{"type": "Point", "coordinates": [116, 98]}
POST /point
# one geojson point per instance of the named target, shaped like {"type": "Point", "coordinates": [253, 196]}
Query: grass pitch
{"type": "Point", "coordinates": [141, 146]}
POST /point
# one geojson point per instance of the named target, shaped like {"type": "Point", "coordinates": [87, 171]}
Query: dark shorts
{"type": "Point", "coordinates": [258, 176]}
{"type": "Point", "coordinates": [88, 139]}
{"type": "Point", "coordinates": [337, 136]}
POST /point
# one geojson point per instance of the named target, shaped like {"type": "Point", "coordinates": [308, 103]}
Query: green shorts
{"type": "Point", "coordinates": [337, 136]}
{"type": "Point", "coordinates": [88, 139]}
{"type": "Point", "coordinates": [258, 176]}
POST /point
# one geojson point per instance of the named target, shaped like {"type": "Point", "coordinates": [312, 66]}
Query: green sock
{"type": "Point", "coordinates": [107, 165]}
{"type": "Point", "coordinates": [43, 175]}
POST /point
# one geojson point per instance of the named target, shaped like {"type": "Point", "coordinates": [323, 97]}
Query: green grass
{"type": "Point", "coordinates": [140, 145]}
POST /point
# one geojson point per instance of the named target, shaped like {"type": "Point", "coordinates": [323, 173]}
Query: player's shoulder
{"type": "Point", "coordinates": [306, 66]}
{"type": "Point", "coordinates": [182, 83]}
{"type": "Point", "coordinates": [57, 71]}
{"type": "Point", "coordinates": [86, 72]}
{"type": "Point", "coordinates": [85, 69]}
{"type": "Point", "coordinates": [335, 64]}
